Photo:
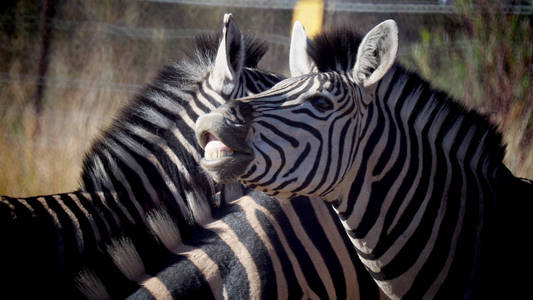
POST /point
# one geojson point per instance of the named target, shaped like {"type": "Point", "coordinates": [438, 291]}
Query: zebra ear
{"type": "Point", "coordinates": [300, 63]}
{"type": "Point", "coordinates": [229, 59]}
{"type": "Point", "coordinates": [376, 53]}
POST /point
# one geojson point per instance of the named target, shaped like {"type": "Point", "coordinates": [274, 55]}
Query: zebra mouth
{"type": "Point", "coordinates": [227, 153]}
{"type": "Point", "coordinates": [223, 162]}
{"type": "Point", "coordinates": [215, 149]}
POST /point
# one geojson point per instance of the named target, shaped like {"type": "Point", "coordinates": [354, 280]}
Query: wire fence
{"type": "Point", "coordinates": [411, 7]}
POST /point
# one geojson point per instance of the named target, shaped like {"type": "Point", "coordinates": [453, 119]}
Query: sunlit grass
{"type": "Point", "coordinates": [85, 85]}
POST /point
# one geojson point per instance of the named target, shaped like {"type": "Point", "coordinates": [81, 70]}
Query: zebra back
{"type": "Point", "coordinates": [48, 239]}
{"type": "Point", "coordinates": [259, 248]}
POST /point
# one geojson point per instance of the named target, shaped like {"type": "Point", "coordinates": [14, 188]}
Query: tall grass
{"type": "Point", "coordinates": [84, 86]}
{"type": "Point", "coordinates": [487, 64]}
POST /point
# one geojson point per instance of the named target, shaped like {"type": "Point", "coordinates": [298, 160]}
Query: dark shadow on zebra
{"type": "Point", "coordinates": [416, 178]}
{"type": "Point", "coordinates": [144, 195]}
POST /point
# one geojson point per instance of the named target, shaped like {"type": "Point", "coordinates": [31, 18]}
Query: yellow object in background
{"type": "Point", "coordinates": [310, 13]}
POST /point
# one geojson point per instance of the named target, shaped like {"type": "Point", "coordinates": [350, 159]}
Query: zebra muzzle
{"type": "Point", "coordinates": [226, 152]}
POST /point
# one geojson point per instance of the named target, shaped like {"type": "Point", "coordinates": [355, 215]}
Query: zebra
{"type": "Point", "coordinates": [416, 178]}
{"type": "Point", "coordinates": [211, 73]}
{"type": "Point", "coordinates": [128, 199]}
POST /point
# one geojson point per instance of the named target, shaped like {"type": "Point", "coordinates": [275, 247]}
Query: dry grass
{"type": "Point", "coordinates": [84, 87]}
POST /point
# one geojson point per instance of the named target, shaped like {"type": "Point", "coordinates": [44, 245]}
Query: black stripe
{"type": "Point", "coordinates": [294, 142]}
{"type": "Point", "coordinates": [268, 164]}
{"type": "Point", "coordinates": [309, 220]}
{"type": "Point", "coordinates": [222, 255]}
{"type": "Point", "coordinates": [236, 220]}
{"type": "Point", "coordinates": [282, 158]}
{"type": "Point", "coordinates": [330, 146]}
{"type": "Point", "coordinates": [299, 160]}
{"type": "Point", "coordinates": [305, 262]}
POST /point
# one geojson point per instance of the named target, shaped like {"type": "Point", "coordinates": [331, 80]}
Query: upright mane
{"type": "Point", "coordinates": [200, 57]}
{"type": "Point", "coordinates": [335, 50]}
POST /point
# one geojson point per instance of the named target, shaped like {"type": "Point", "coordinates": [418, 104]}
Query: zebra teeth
{"type": "Point", "coordinates": [215, 149]}
{"type": "Point", "coordinates": [217, 154]}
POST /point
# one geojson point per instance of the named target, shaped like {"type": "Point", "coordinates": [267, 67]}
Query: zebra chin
{"type": "Point", "coordinates": [227, 169]}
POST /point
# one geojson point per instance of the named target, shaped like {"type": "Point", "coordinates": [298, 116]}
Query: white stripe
{"type": "Point", "coordinates": [125, 157]}
{"type": "Point", "coordinates": [89, 217]}
{"type": "Point", "coordinates": [142, 151]}
{"type": "Point", "coordinates": [75, 223]}
{"type": "Point", "coordinates": [241, 253]}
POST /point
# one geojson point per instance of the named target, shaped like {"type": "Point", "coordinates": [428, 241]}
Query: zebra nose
{"type": "Point", "coordinates": [219, 126]}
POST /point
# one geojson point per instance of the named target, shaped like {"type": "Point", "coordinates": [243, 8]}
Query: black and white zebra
{"type": "Point", "coordinates": [417, 179]}
{"type": "Point", "coordinates": [145, 164]}
{"type": "Point", "coordinates": [141, 180]}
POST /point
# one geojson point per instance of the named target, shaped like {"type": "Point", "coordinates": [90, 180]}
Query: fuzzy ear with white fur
{"type": "Point", "coordinates": [229, 59]}
{"type": "Point", "coordinates": [300, 63]}
{"type": "Point", "coordinates": [376, 54]}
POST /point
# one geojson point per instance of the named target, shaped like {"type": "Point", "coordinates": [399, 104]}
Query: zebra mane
{"type": "Point", "coordinates": [336, 50]}
{"type": "Point", "coordinates": [471, 118]}
{"type": "Point", "coordinates": [200, 57]}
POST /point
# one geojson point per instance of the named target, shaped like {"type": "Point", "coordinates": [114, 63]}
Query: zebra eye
{"type": "Point", "coordinates": [321, 103]}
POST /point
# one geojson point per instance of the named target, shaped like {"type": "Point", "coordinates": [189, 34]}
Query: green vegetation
{"type": "Point", "coordinates": [489, 66]}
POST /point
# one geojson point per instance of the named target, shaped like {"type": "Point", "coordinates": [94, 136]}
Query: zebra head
{"type": "Point", "coordinates": [279, 140]}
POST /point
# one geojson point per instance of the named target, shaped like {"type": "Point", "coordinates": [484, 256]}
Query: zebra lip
{"type": "Point", "coordinates": [225, 160]}
{"type": "Point", "coordinates": [228, 145]}
{"type": "Point", "coordinates": [223, 163]}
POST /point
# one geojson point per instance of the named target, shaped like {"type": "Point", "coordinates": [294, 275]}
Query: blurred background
{"type": "Point", "coordinates": [66, 67]}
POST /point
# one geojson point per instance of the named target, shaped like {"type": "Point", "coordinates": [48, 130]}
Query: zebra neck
{"type": "Point", "coordinates": [421, 184]}
{"type": "Point", "coordinates": [149, 154]}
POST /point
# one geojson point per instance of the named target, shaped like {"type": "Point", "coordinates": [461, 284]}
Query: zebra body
{"type": "Point", "coordinates": [417, 180]}
{"type": "Point", "coordinates": [48, 239]}
{"type": "Point", "coordinates": [254, 247]}
{"type": "Point", "coordinates": [258, 248]}
{"type": "Point", "coordinates": [142, 191]}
